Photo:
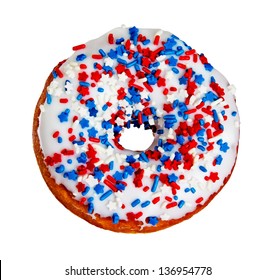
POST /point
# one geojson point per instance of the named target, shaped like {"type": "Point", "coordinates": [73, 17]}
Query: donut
{"type": "Point", "coordinates": [147, 79]}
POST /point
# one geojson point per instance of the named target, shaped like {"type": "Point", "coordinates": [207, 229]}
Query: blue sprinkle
{"type": "Point", "coordinates": [132, 63]}
{"type": "Point", "coordinates": [90, 208]}
{"type": "Point", "coordinates": [168, 52]}
{"type": "Point", "coordinates": [234, 113]}
{"type": "Point", "coordinates": [90, 199]}
{"type": "Point", "coordinates": [155, 184]}
{"type": "Point", "coordinates": [106, 125]}
{"type": "Point", "coordinates": [59, 139]}
{"type": "Point", "coordinates": [115, 218]}
{"type": "Point", "coordinates": [175, 197]}
{"type": "Point", "coordinates": [181, 203]}
{"type": "Point", "coordinates": [71, 175]}
{"type": "Point", "coordinates": [210, 96]}
{"type": "Point", "coordinates": [224, 147]}
{"type": "Point", "coordinates": [118, 176]}
{"type": "Point", "coordinates": [175, 70]}
{"type": "Point", "coordinates": [112, 54]}
{"type": "Point", "coordinates": [199, 79]}
{"type": "Point", "coordinates": [156, 64]}
{"type": "Point", "coordinates": [105, 195]}
{"type": "Point", "coordinates": [219, 159]}
{"type": "Point", "coordinates": [172, 178]}
{"type": "Point", "coordinates": [100, 89]}
{"type": "Point", "coordinates": [145, 203]}
{"type": "Point", "coordinates": [60, 168]}
{"type": "Point", "coordinates": [135, 202]}
{"type": "Point", "coordinates": [99, 188]}
{"type": "Point", "coordinates": [183, 80]}
{"type": "Point", "coordinates": [120, 187]}
{"type": "Point", "coordinates": [168, 147]}
{"type": "Point", "coordinates": [121, 61]}
{"type": "Point", "coordinates": [212, 79]}
{"type": "Point", "coordinates": [86, 190]}
{"type": "Point", "coordinates": [200, 132]}
{"type": "Point", "coordinates": [54, 74]}
{"type": "Point", "coordinates": [202, 168]}
{"type": "Point", "coordinates": [158, 168]}
{"type": "Point", "coordinates": [172, 61]}
{"type": "Point", "coordinates": [146, 42]}
{"type": "Point", "coordinates": [80, 57]}
{"type": "Point", "coordinates": [152, 220]}
{"type": "Point", "coordinates": [119, 41]}
{"type": "Point", "coordinates": [193, 190]}
{"type": "Point", "coordinates": [82, 158]}
{"type": "Point", "coordinates": [63, 116]}
{"type": "Point", "coordinates": [79, 97]}
{"type": "Point", "coordinates": [84, 123]}
{"type": "Point", "coordinates": [215, 115]}
{"type": "Point", "coordinates": [186, 190]}
{"type": "Point", "coordinates": [179, 52]}
{"type": "Point", "coordinates": [81, 134]}
{"type": "Point", "coordinates": [98, 174]}
{"type": "Point", "coordinates": [151, 79]}
{"type": "Point", "coordinates": [200, 147]}
{"type": "Point", "coordinates": [111, 165]}
{"type": "Point", "coordinates": [101, 51]}
{"type": "Point", "coordinates": [144, 157]}
{"type": "Point", "coordinates": [49, 99]}
{"type": "Point", "coordinates": [208, 67]}
{"type": "Point", "coordinates": [92, 132]}
{"type": "Point", "coordinates": [129, 169]}
{"type": "Point", "coordinates": [84, 84]}
{"type": "Point", "coordinates": [180, 139]}
{"type": "Point", "coordinates": [70, 161]}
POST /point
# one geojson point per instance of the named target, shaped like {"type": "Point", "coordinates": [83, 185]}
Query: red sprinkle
{"type": "Point", "coordinates": [79, 47]}
{"type": "Point", "coordinates": [55, 134]}
{"type": "Point", "coordinates": [97, 56]}
{"type": "Point", "coordinates": [199, 200]}
{"type": "Point", "coordinates": [111, 39]}
{"type": "Point", "coordinates": [63, 100]}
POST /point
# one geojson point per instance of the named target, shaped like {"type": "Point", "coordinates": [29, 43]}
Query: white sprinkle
{"type": "Point", "coordinates": [161, 58]}
{"type": "Point", "coordinates": [112, 205]}
{"type": "Point", "coordinates": [159, 32]}
{"type": "Point", "coordinates": [142, 80]}
{"type": "Point", "coordinates": [91, 181]}
{"type": "Point", "coordinates": [165, 217]}
{"type": "Point", "coordinates": [42, 108]}
{"type": "Point", "coordinates": [122, 77]}
{"type": "Point", "coordinates": [216, 102]}
{"type": "Point", "coordinates": [161, 150]}
{"type": "Point", "coordinates": [108, 62]}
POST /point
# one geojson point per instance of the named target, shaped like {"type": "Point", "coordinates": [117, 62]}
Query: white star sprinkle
{"type": "Point", "coordinates": [112, 205]}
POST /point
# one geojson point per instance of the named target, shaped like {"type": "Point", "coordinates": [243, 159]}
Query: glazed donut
{"type": "Point", "coordinates": [143, 78]}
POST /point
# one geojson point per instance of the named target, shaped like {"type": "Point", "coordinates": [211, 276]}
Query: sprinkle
{"type": "Point", "coordinates": [155, 184]}
{"type": "Point", "coordinates": [105, 195]}
{"type": "Point", "coordinates": [135, 202]}
{"type": "Point", "coordinates": [79, 47]}
{"type": "Point", "coordinates": [115, 218]}
{"type": "Point", "coordinates": [152, 220]}
{"type": "Point", "coordinates": [81, 57]}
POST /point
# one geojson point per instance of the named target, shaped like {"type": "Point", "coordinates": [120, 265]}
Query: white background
{"type": "Point", "coordinates": [235, 234]}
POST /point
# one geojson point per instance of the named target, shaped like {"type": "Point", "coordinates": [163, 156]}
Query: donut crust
{"type": "Point", "coordinates": [66, 197]}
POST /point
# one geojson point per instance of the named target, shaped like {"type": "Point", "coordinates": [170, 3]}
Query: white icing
{"type": "Point", "coordinates": [120, 202]}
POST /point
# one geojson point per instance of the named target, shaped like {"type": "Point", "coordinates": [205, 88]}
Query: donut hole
{"type": "Point", "coordinates": [136, 139]}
